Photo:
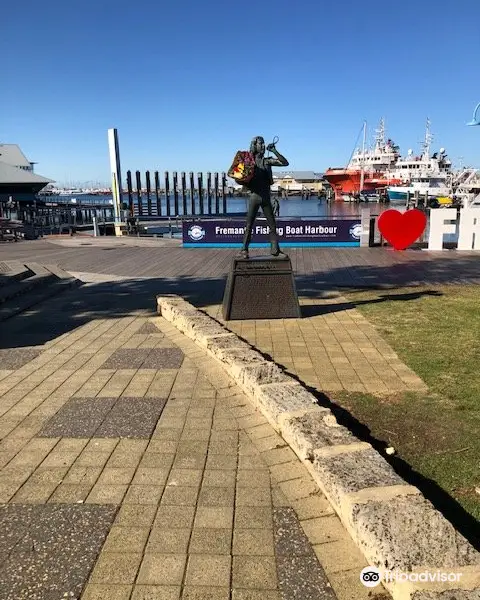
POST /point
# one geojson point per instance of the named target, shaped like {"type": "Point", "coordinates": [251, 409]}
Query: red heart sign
{"type": "Point", "coordinates": [402, 229]}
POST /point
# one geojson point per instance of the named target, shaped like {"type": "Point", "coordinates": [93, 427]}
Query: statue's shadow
{"type": "Point", "coordinates": [314, 310]}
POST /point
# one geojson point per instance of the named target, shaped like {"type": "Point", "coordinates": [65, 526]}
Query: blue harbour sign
{"type": "Point", "coordinates": [216, 233]}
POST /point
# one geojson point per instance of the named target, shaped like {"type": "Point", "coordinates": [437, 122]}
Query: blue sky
{"type": "Point", "coordinates": [187, 83]}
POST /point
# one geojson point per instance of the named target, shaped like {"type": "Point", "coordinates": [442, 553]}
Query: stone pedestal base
{"type": "Point", "coordinates": [261, 287]}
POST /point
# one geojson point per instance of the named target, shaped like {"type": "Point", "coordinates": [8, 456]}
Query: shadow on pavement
{"type": "Point", "coordinates": [74, 308]}
{"type": "Point", "coordinates": [113, 299]}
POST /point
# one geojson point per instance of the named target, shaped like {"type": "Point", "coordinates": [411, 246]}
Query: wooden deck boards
{"type": "Point", "coordinates": [334, 267]}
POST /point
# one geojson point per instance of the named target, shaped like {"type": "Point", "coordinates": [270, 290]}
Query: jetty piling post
{"type": "Point", "coordinates": [192, 192]}
{"type": "Point", "coordinates": [167, 192]}
{"type": "Point", "coordinates": [149, 190]}
{"type": "Point", "coordinates": [200, 193]}
{"type": "Point", "coordinates": [209, 193]}
{"type": "Point", "coordinates": [130, 193]}
{"type": "Point", "coordinates": [184, 193]}
{"type": "Point", "coordinates": [175, 192]}
{"type": "Point", "coordinates": [116, 173]}
{"type": "Point", "coordinates": [217, 206]}
{"type": "Point", "coordinates": [139, 193]}
{"type": "Point", "coordinates": [157, 194]}
{"type": "Point", "coordinates": [224, 195]}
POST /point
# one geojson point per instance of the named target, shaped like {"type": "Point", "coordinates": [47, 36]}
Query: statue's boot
{"type": "Point", "coordinates": [275, 250]}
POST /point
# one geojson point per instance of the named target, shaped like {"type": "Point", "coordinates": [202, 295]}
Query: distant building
{"type": "Point", "coordinates": [298, 181]}
{"type": "Point", "coordinates": [18, 180]}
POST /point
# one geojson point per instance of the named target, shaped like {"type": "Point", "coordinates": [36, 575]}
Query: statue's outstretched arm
{"type": "Point", "coordinates": [278, 161]}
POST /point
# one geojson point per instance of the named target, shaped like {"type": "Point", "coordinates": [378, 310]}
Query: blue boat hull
{"type": "Point", "coordinates": [392, 195]}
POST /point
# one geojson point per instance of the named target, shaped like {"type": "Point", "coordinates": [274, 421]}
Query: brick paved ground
{"type": "Point", "coordinates": [132, 468]}
{"type": "Point", "coordinates": [333, 347]}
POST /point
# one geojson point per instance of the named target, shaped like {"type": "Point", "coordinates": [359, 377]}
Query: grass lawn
{"type": "Point", "coordinates": [436, 332]}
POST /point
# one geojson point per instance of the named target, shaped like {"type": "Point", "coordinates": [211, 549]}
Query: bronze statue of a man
{"type": "Point", "coordinates": [259, 188]}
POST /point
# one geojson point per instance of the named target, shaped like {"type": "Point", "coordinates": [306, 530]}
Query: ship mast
{"type": "Point", "coordinates": [362, 174]}
{"type": "Point", "coordinates": [427, 142]}
{"type": "Point", "coordinates": [380, 137]}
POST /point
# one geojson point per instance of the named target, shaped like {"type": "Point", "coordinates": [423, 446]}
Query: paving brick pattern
{"type": "Point", "coordinates": [44, 541]}
{"type": "Point", "coordinates": [155, 358]}
{"type": "Point", "coordinates": [334, 348]}
{"type": "Point", "coordinates": [105, 418]}
{"type": "Point", "coordinates": [300, 574]}
{"type": "Point", "coordinates": [14, 358]}
{"type": "Point", "coordinates": [194, 493]}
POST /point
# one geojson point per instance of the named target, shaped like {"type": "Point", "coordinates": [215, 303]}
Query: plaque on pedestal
{"type": "Point", "coordinates": [261, 287]}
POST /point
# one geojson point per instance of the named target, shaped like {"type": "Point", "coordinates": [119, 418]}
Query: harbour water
{"type": "Point", "coordinates": [313, 207]}
{"type": "Point", "coordinates": [290, 207]}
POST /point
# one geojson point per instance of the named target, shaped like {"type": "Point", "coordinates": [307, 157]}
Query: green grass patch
{"type": "Point", "coordinates": [436, 332]}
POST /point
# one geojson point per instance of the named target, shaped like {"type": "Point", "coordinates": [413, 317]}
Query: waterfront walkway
{"type": "Point", "coordinates": [315, 268]}
{"type": "Point", "coordinates": [116, 427]}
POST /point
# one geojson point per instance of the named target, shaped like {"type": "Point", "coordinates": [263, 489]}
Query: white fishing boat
{"type": "Point", "coordinates": [434, 187]}
{"type": "Point", "coordinates": [424, 174]}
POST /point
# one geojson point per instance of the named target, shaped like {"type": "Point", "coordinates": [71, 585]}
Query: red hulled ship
{"type": "Point", "coordinates": [367, 170]}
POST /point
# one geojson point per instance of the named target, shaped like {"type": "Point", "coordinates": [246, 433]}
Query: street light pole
{"type": "Point", "coordinates": [476, 116]}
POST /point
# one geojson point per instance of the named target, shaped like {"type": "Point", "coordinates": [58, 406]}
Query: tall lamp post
{"type": "Point", "coordinates": [476, 116]}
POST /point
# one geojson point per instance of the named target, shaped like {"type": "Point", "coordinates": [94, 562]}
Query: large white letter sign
{"type": "Point", "coordinates": [469, 236]}
{"type": "Point", "coordinates": [438, 226]}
